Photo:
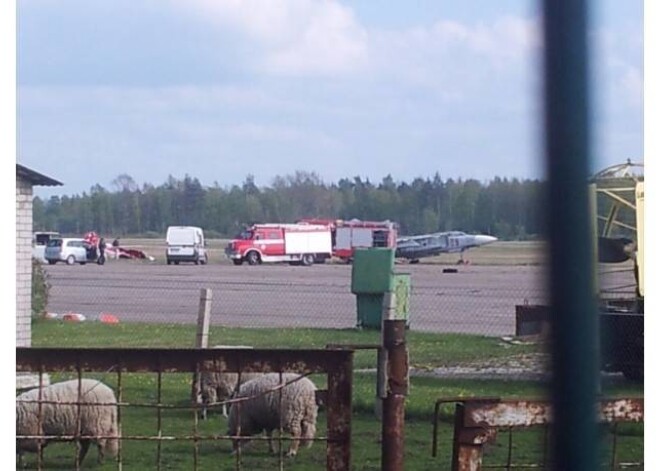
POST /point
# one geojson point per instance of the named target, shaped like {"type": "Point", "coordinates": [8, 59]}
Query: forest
{"type": "Point", "coordinates": [503, 207]}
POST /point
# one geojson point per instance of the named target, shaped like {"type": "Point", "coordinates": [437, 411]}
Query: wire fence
{"type": "Point", "coordinates": [135, 406]}
{"type": "Point", "coordinates": [280, 306]}
{"type": "Point", "coordinates": [473, 300]}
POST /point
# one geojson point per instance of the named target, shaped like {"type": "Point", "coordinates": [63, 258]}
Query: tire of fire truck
{"type": "Point", "coordinates": [237, 261]}
{"type": "Point", "coordinates": [253, 258]}
{"type": "Point", "coordinates": [320, 259]}
{"type": "Point", "coordinates": [307, 260]}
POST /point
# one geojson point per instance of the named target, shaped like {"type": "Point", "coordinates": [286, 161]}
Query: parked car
{"type": "Point", "coordinates": [70, 251]}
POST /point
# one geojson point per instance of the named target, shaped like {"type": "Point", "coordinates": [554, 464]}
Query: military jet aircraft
{"type": "Point", "coordinates": [427, 245]}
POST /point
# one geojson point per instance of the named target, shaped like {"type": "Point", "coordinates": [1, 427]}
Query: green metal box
{"type": "Point", "coordinates": [372, 271]}
{"type": "Point", "coordinates": [369, 311]}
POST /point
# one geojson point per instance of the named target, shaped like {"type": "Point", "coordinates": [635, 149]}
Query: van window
{"type": "Point", "coordinates": [42, 239]}
{"type": "Point", "coordinates": [74, 243]}
{"type": "Point", "coordinates": [55, 243]}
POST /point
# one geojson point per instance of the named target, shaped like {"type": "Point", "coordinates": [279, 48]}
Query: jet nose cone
{"type": "Point", "coordinates": [484, 239]}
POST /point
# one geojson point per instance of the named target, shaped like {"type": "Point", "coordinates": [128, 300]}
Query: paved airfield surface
{"type": "Point", "coordinates": [476, 299]}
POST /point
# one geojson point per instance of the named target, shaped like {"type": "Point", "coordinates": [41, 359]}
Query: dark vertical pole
{"type": "Point", "coordinates": [394, 342]}
{"type": "Point", "coordinates": [340, 386]}
{"type": "Point", "coordinates": [574, 328]}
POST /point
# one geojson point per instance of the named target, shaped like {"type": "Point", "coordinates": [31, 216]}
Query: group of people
{"type": "Point", "coordinates": [96, 247]}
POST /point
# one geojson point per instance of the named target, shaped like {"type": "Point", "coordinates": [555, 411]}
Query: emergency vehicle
{"type": "Point", "coordinates": [354, 233]}
{"type": "Point", "coordinates": [298, 244]}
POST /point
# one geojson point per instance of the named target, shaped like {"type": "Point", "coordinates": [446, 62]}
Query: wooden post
{"type": "Point", "coordinates": [202, 339]}
{"type": "Point", "coordinates": [204, 317]}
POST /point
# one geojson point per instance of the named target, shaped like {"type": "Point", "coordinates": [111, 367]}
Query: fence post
{"type": "Point", "coordinates": [381, 381]}
{"type": "Point", "coordinates": [394, 343]}
{"type": "Point", "coordinates": [204, 317]}
{"type": "Point", "coordinates": [202, 338]}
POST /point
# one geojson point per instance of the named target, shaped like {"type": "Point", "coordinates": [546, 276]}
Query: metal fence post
{"type": "Point", "coordinates": [394, 342]}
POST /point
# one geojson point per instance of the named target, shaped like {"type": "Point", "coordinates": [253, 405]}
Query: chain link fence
{"type": "Point", "coordinates": [480, 299]}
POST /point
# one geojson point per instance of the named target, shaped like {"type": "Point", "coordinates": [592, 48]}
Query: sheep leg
{"type": "Point", "coordinates": [84, 447]}
{"type": "Point", "coordinates": [100, 446]}
{"type": "Point", "coordinates": [295, 442]}
{"type": "Point", "coordinates": [271, 447]}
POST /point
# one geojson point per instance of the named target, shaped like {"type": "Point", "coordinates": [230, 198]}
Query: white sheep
{"type": "Point", "coordinates": [216, 387]}
{"type": "Point", "coordinates": [261, 410]}
{"type": "Point", "coordinates": [96, 420]}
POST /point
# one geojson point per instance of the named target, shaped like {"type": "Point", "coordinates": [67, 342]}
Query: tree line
{"type": "Point", "coordinates": [505, 208]}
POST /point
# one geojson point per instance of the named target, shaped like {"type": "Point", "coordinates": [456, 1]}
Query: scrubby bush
{"type": "Point", "coordinates": [40, 288]}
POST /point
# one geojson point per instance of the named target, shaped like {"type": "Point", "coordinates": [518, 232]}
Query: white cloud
{"type": "Point", "coordinates": [506, 38]}
{"type": "Point", "coordinates": [616, 55]}
{"type": "Point", "coordinates": [296, 37]}
{"type": "Point", "coordinates": [455, 59]}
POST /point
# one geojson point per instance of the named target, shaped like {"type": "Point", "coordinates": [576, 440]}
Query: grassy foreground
{"type": "Point", "coordinates": [425, 350]}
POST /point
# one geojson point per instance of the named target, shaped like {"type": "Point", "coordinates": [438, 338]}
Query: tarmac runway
{"type": "Point", "coordinates": [476, 299]}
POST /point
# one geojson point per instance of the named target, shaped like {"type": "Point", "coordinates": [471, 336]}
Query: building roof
{"type": "Point", "coordinates": [35, 177]}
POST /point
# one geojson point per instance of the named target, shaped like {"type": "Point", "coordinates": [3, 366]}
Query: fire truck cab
{"type": "Point", "coordinates": [298, 244]}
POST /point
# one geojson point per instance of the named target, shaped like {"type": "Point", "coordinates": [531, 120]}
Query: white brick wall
{"type": "Point", "coordinates": [23, 263]}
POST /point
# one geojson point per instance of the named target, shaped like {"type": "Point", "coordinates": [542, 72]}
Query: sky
{"type": "Point", "coordinates": [222, 89]}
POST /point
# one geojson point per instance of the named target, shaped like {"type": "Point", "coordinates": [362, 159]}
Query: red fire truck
{"type": "Point", "coordinates": [349, 235]}
{"type": "Point", "coordinates": [298, 244]}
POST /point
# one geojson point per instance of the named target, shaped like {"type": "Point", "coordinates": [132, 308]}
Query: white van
{"type": "Point", "coordinates": [39, 243]}
{"type": "Point", "coordinates": [186, 244]}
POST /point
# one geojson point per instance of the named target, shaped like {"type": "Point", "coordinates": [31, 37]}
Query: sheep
{"type": "Point", "coordinates": [62, 419]}
{"type": "Point", "coordinates": [261, 411]}
{"type": "Point", "coordinates": [216, 387]}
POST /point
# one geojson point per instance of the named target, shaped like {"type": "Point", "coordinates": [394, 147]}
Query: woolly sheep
{"type": "Point", "coordinates": [261, 410]}
{"type": "Point", "coordinates": [217, 387]}
{"type": "Point", "coordinates": [61, 419]}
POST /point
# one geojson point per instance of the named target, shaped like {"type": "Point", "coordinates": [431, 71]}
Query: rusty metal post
{"type": "Point", "coordinates": [467, 454]}
{"type": "Point", "coordinates": [394, 342]}
{"type": "Point", "coordinates": [340, 385]}
{"type": "Point", "coordinates": [381, 381]}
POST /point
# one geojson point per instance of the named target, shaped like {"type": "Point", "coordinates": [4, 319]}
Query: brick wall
{"type": "Point", "coordinates": [23, 263]}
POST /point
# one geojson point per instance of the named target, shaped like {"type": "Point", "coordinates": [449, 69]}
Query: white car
{"type": "Point", "coordinates": [66, 250]}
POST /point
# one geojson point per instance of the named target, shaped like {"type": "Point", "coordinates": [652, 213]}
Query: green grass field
{"type": "Point", "coordinates": [425, 350]}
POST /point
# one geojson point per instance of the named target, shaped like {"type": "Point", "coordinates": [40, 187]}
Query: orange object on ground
{"type": "Point", "coordinates": [108, 318]}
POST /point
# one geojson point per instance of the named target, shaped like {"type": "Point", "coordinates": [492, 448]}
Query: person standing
{"type": "Point", "coordinates": [115, 246]}
{"type": "Point", "coordinates": [101, 259]}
